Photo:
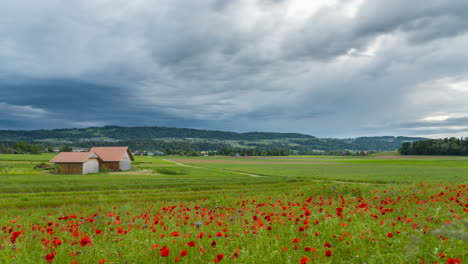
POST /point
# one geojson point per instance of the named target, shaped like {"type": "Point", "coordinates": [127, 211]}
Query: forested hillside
{"type": "Point", "coordinates": [162, 138]}
{"type": "Point", "coordinates": [446, 146]}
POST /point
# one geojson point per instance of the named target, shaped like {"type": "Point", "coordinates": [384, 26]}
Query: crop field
{"type": "Point", "coordinates": [305, 209]}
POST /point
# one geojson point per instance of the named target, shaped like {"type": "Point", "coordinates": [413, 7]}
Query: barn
{"type": "Point", "coordinates": [114, 158]}
{"type": "Point", "coordinates": [77, 162]}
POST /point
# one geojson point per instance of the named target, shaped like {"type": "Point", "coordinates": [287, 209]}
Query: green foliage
{"type": "Point", "coordinates": [447, 146]}
{"type": "Point", "coordinates": [66, 149]}
{"type": "Point", "coordinates": [4, 149]}
{"type": "Point", "coordinates": [23, 148]}
{"type": "Point", "coordinates": [44, 166]}
{"type": "Point", "coordinates": [104, 169]}
{"type": "Point", "coordinates": [57, 169]}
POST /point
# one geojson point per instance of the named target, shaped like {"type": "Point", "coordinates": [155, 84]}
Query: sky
{"type": "Point", "coordinates": [327, 68]}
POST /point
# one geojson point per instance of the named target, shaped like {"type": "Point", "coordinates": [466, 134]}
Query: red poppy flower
{"type": "Point", "coordinates": [57, 242]}
{"type": "Point", "coordinates": [183, 253]}
{"type": "Point", "coordinates": [14, 236]}
{"type": "Point", "coordinates": [296, 240]}
{"type": "Point", "coordinates": [389, 235]}
{"type": "Point", "coordinates": [304, 260]}
{"type": "Point", "coordinates": [85, 241]}
{"type": "Point", "coordinates": [102, 261]}
{"type": "Point", "coordinates": [191, 244]}
{"type": "Point", "coordinates": [310, 249]}
{"type": "Point", "coordinates": [328, 253]}
{"type": "Point", "coordinates": [164, 251]}
{"type": "Point", "coordinates": [50, 257]}
{"type": "Point", "coordinates": [453, 261]}
{"type": "Point", "coordinates": [175, 234]}
{"type": "Point", "coordinates": [218, 258]}
{"type": "Point", "coordinates": [442, 255]}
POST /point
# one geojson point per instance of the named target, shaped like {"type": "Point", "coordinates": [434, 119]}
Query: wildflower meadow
{"type": "Point", "coordinates": [284, 220]}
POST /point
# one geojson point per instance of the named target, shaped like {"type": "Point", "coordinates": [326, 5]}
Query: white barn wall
{"type": "Point", "coordinates": [91, 166]}
{"type": "Point", "coordinates": [125, 163]}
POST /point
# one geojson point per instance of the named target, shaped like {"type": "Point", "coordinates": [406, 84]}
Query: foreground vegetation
{"type": "Point", "coordinates": [380, 209]}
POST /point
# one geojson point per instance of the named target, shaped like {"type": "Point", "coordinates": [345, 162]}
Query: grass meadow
{"type": "Point", "coordinates": [307, 209]}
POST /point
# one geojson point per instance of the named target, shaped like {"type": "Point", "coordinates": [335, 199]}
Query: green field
{"type": "Point", "coordinates": [421, 201]}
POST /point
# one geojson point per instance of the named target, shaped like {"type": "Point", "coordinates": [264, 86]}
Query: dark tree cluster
{"type": "Point", "coordinates": [25, 148]}
{"type": "Point", "coordinates": [447, 146]}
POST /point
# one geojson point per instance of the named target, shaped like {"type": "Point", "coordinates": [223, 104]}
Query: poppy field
{"type": "Point", "coordinates": [225, 210]}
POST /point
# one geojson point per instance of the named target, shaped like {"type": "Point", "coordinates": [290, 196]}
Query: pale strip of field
{"type": "Point", "coordinates": [419, 157]}
{"type": "Point", "coordinates": [245, 161]}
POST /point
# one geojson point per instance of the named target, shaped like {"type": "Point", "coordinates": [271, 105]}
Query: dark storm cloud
{"type": "Point", "coordinates": [327, 68]}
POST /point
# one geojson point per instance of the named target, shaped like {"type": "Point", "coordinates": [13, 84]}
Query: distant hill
{"type": "Point", "coordinates": [138, 133]}
{"type": "Point", "coordinates": [171, 137]}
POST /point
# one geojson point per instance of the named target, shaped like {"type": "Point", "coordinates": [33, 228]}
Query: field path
{"type": "Point", "coordinates": [244, 173]}
{"type": "Point", "coordinates": [186, 165]}
{"type": "Point", "coordinates": [182, 164]}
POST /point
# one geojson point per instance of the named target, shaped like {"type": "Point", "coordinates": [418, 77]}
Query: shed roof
{"type": "Point", "coordinates": [74, 157]}
{"type": "Point", "coordinates": [111, 153]}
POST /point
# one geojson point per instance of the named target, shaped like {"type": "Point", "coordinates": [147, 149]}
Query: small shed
{"type": "Point", "coordinates": [114, 158]}
{"type": "Point", "coordinates": [77, 162]}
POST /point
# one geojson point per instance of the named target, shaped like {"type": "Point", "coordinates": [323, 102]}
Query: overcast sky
{"type": "Point", "coordinates": [328, 68]}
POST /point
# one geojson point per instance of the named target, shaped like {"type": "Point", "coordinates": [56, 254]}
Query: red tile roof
{"type": "Point", "coordinates": [73, 157]}
{"type": "Point", "coordinates": [111, 153]}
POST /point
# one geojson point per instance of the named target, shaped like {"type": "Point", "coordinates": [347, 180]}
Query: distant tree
{"type": "Point", "coordinates": [21, 147]}
{"type": "Point", "coordinates": [65, 149]}
{"type": "Point", "coordinates": [405, 148]}
{"type": "Point", "coordinates": [50, 150]}
{"type": "Point", "coordinates": [4, 149]}
{"type": "Point", "coordinates": [34, 149]}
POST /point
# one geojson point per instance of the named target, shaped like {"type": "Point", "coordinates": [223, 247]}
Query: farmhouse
{"type": "Point", "coordinates": [77, 162]}
{"type": "Point", "coordinates": [114, 158]}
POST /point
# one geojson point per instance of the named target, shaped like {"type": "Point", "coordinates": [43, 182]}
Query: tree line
{"type": "Point", "coordinates": [446, 146]}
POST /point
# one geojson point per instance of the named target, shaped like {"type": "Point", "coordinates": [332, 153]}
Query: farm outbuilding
{"type": "Point", "coordinates": [77, 162]}
{"type": "Point", "coordinates": [114, 158]}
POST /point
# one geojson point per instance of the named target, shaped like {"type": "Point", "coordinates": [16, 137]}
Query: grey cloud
{"type": "Point", "coordinates": [241, 65]}
{"type": "Point", "coordinates": [327, 35]}
{"type": "Point", "coordinates": [450, 122]}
